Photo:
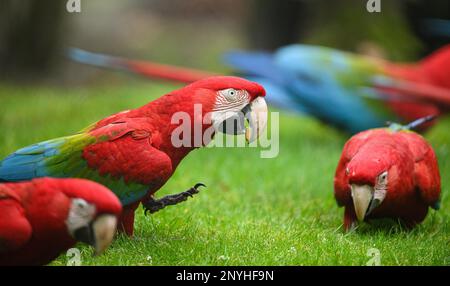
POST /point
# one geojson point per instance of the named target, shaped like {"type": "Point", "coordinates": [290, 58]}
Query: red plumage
{"type": "Point", "coordinates": [33, 227]}
{"type": "Point", "coordinates": [411, 183]}
{"type": "Point", "coordinates": [424, 86]}
{"type": "Point", "coordinates": [139, 146]}
{"type": "Point", "coordinates": [167, 72]}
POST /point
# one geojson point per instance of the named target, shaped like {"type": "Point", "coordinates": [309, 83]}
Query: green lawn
{"type": "Point", "coordinates": [255, 211]}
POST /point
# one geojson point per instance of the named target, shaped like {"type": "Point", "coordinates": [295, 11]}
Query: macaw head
{"type": "Point", "coordinates": [63, 211]}
{"type": "Point", "coordinates": [92, 214]}
{"type": "Point", "coordinates": [374, 174]}
{"type": "Point", "coordinates": [230, 102]}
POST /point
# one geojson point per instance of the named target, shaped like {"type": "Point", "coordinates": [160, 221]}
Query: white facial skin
{"type": "Point", "coordinates": [232, 103]}
{"type": "Point", "coordinates": [101, 228]}
{"type": "Point", "coordinates": [81, 213]}
{"type": "Point", "coordinates": [381, 187]}
{"type": "Point", "coordinates": [229, 102]}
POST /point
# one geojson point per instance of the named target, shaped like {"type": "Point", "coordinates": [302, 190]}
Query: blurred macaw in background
{"type": "Point", "coordinates": [133, 153]}
{"type": "Point", "coordinates": [387, 173]}
{"type": "Point", "coordinates": [349, 91]}
{"type": "Point", "coordinates": [44, 217]}
{"type": "Point", "coordinates": [436, 27]}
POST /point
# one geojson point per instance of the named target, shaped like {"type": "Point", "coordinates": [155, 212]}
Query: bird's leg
{"type": "Point", "coordinates": [153, 205]}
{"type": "Point", "coordinates": [126, 220]}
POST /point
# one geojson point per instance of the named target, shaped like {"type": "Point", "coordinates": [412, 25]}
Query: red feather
{"type": "Point", "coordinates": [136, 144]}
{"type": "Point", "coordinates": [33, 227]}
{"type": "Point", "coordinates": [420, 89]}
{"type": "Point", "coordinates": [167, 72]}
{"type": "Point", "coordinates": [413, 182]}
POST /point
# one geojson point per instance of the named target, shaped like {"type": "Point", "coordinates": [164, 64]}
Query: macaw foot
{"type": "Point", "coordinates": [154, 205]}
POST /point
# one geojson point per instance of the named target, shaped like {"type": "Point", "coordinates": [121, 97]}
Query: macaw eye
{"type": "Point", "coordinates": [81, 213]}
{"type": "Point", "coordinates": [230, 94]}
{"type": "Point", "coordinates": [347, 171]}
{"type": "Point", "coordinates": [80, 203]}
{"type": "Point", "coordinates": [382, 178]}
{"type": "Point", "coordinates": [81, 208]}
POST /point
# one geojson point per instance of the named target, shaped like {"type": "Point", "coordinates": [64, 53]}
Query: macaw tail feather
{"type": "Point", "coordinates": [416, 124]}
{"type": "Point", "coordinates": [144, 68]}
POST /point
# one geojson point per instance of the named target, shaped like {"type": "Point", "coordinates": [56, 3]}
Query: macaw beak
{"type": "Point", "coordinates": [255, 113]}
{"type": "Point", "coordinates": [257, 119]}
{"type": "Point", "coordinates": [366, 199]}
{"type": "Point", "coordinates": [362, 196]}
{"type": "Point", "coordinates": [99, 234]}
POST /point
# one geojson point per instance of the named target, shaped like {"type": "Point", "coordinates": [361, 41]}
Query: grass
{"type": "Point", "coordinates": [255, 211]}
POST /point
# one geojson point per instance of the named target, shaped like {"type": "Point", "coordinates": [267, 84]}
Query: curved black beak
{"type": "Point", "coordinates": [234, 125]}
{"type": "Point", "coordinates": [255, 113]}
{"type": "Point", "coordinates": [85, 234]}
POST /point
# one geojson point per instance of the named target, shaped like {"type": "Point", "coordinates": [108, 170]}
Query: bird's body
{"type": "Point", "coordinates": [130, 152]}
{"type": "Point", "coordinates": [350, 91]}
{"type": "Point", "coordinates": [387, 173]}
{"type": "Point", "coordinates": [34, 217]}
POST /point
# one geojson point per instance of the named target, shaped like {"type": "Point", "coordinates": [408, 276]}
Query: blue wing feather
{"type": "Point", "coordinates": [29, 162]}
{"type": "Point", "coordinates": [55, 158]}
{"type": "Point", "coordinates": [307, 79]}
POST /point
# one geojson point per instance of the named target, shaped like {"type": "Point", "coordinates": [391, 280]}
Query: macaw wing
{"type": "Point", "coordinates": [426, 170]}
{"type": "Point", "coordinates": [318, 63]}
{"type": "Point", "coordinates": [309, 63]}
{"type": "Point", "coordinates": [15, 229]}
{"type": "Point", "coordinates": [328, 84]}
{"type": "Point", "coordinates": [279, 96]}
{"type": "Point", "coordinates": [428, 181]}
{"type": "Point", "coordinates": [129, 165]}
{"type": "Point", "coordinates": [117, 155]}
{"type": "Point", "coordinates": [259, 64]}
{"type": "Point", "coordinates": [410, 91]}
{"type": "Point", "coordinates": [316, 66]}
{"type": "Point", "coordinates": [341, 188]}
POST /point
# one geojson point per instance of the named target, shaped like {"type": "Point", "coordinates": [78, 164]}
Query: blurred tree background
{"type": "Point", "coordinates": [30, 36]}
{"type": "Point", "coordinates": [195, 33]}
{"type": "Point", "coordinates": [287, 216]}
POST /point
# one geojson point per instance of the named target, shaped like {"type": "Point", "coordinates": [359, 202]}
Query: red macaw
{"type": "Point", "coordinates": [387, 173]}
{"type": "Point", "coordinates": [132, 152]}
{"type": "Point", "coordinates": [43, 217]}
{"type": "Point", "coordinates": [326, 83]}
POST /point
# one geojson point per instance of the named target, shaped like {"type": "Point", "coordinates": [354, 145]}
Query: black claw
{"type": "Point", "coordinates": [156, 205]}
{"type": "Point", "coordinates": [199, 185]}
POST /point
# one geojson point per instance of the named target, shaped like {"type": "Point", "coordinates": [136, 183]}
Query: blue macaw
{"type": "Point", "coordinates": [352, 92]}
